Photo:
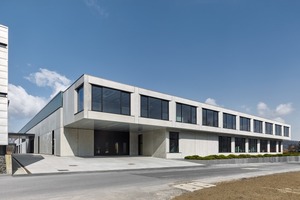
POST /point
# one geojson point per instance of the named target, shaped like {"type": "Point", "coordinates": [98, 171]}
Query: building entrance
{"type": "Point", "coordinates": [111, 143]}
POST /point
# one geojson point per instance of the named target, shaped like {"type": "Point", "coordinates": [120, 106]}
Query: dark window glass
{"type": "Point", "coordinates": [96, 98]}
{"type": "Point", "coordinates": [210, 118]}
{"type": "Point", "coordinates": [252, 145]}
{"type": "Point", "coordinates": [244, 124]}
{"type": "Point", "coordinates": [278, 129]}
{"type": "Point", "coordinates": [257, 126]}
{"type": "Point", "coordinates": [286, 131]}
{"type": "Point", "coordinates": [144, 106]}
{"type": "Point", "coordinates": [174, 142]}
{"type": "Point", "coordinates": [279, 146]}
{"type": "Point", "coordinates": [80, 99]}
{"type": "Point", "coordinates": [224, 144]}
{"type": "Point", "coordinates": [229, 121]}
{"type": "Point", "coordinates": [272, 146]}
{"type": "Point", "coordinates": [269, 128]}
{"type": "Point", "coordinates": [165, 110]}
{"type": "Point", "coordinates": [110, 100]}
{"type": "Point", "coordinates": [185, 113]}
{"type": "Point", "coordinates": [239, 145]}
{"type": "Point", "coordinates": [125, 103]}
{"type": "Point", "coordinates": [154, 108]}
{"type": "Point", "coordinates": [263, 146]}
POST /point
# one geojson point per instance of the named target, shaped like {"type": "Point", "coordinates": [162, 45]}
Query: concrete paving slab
{"type": "Point", "coordinates": [193, 186]}
{"type": "Point", "coordinates": [45, 164]}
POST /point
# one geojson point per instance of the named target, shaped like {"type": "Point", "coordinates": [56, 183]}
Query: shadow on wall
{"type": "Point", "coordinates": [27, 159]}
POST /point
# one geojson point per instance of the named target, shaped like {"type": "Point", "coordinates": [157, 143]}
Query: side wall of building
{"type": "Point", "coordinates": [3, 85]}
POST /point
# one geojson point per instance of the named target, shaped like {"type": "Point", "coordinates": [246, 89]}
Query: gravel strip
{"type": "Point", "coordinates": [2, 165]}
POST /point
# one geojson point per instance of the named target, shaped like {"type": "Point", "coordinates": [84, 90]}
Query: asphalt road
{"type": "Point", "coordinates": [138, 184]}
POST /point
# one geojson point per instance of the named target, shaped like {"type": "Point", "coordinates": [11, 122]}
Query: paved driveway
{"type": "Point", "coordinates": [43, 164]}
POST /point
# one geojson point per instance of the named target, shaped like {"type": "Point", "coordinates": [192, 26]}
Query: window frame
{"type": "Point", "coordinates": [267, 130]}
{"type": "Point", "coordinates": [164, 110]}
{"type": "Point", "coordinates": [226, 117]}
{"type": "Point", "coordinates": [80, 98]}
{"type": "Point", "coordinates": [215, 117]}
{"type": "Point", "coordinates": [245, 124]}
{"type": "Point", "coordinates": [174, 139]}
{"type": "Point", "coordinates": [192, 110]}
{"type": "Point", "coordinates": [224, 144]}
{"type": "Point", "coordinates": [258, 129]}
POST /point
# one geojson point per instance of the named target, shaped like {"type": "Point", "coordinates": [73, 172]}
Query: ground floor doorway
{"type": "Point", "coordinates": [111, 143]}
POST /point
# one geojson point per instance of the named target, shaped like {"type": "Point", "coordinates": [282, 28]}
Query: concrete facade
{"type": "Point", "coordinates": [69, 128]}
{"type": "Point", "coordinates": [3, 85]}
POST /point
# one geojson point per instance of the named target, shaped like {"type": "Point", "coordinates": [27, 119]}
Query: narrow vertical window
{"type": "Point", "coordinates": [244, 124]}
{"type": "Point", "coordinates": [269, 128]}
{"type": "Point", "coordinates": [286, 131]}
{"type": "Point", "coordinates": [257, 126]}
{"type": "Point", "coordinates": [239, 145]}
{"type": "Point", "coordinates": [224, 144]}
{"type": "Point", "coordinates": [174, 142]}
{"type": "Point", "coordinates": [79, 98]}
{"type": "Point", "coordinates": [252, 145]}
{"type": "Point", "coordinates": [278, 129]}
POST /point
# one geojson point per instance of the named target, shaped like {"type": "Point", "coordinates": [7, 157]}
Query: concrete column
{"type": "Point", "coordinates": [220, 118]}
{"type": "Point", "coordinates": [172, 111]}
{"type": "Point", "coordinates": [268, 146]}
{"type": "Point", "coordinates": [232, 145]}
{"type": "Point", "coordinates": [237, 122]}
{"type": "Point", "coordinates": [247, 145]}
{"type": "Point", "coordinates": [258, 146]}
{"type": "Point", "coordinates": [277, 148]}
{"type": "Point", "coordinates": [251, 125]}
{"type": "Point", "coordinates": [133, 144]}
{"type": "Point", "coordinates": [264, 127]}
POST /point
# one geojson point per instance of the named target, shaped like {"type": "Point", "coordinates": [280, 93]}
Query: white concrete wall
{"type": "Point", "coordinates": [133, 144]}
{"type": "Point", "coordinates": [3, 85]}
{"type": "Point", "coordinates": [154, 143]}
{"type": "Point", "coordinates": [77, 142]}
{"type": "Point", "coordinates": [43, 131]}
{"type": "Point", "coordinates": [194, 143]}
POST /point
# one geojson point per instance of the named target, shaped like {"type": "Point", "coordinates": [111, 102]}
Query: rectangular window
{"type": "Point", "coordinates": [224, 144]}
{"type": "Point", "coordinates": [263, 146]}
{"type": "Point", "coordinates": [80, 98]}
{"type": "Point", "coordinates": [154, 108]}
{"type": "Point", "coordinates": [186, 113]}
{"type": "Point", "coordinates": [110, 100]}
{"type": "Point", "coordinates": [278, 129]}
{"type": "Point", "coordinates": [286, 131]}
{"type": "Point", "coordinates": [244, 124]}
{"type": "Point", "coordinates": [269, 128]}
{"type": "Point", "coordinates": [258, 126]}
{"type": "Point", "coordinates": [272, 146]}
{"type": "Point", "coordinates": [174, 142]}
{"type": "Point", "coordinates": [240, 145]}
{"type": "Point", "coordinates": [252, 145]}
{"type": "Point", "coordinates": [229, 121]}
{"type": "Point", "coordinates": [210, 118]}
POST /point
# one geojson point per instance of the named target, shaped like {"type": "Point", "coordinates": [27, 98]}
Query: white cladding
{"type": "Point", "coordinates": [3, 85]}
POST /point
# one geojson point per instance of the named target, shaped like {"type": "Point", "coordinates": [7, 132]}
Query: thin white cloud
{"type": "Point", "coordinates": [284, 109]}
{"type": "Point", "coordinates": [246, 108]}
{"type": "Point", "coordinates": [95, 6]}
{"type": "Point", "coordinates": [276, 114]}
{"type": "Point", "coordinates": [52, 79]}
{"type": "Point", "coordinates": [211, 101]}
{"type": "Point", "coordinates": [22, 104]}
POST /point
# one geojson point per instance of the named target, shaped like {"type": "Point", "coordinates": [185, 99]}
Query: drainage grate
{"type": "Point", "coordinates": [62, 170]}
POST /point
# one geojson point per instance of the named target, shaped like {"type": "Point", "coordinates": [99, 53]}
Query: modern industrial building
{"type": "Point", "coordinates": [3, 88]}
{"type": "Point", "coordinates": [97, 117]}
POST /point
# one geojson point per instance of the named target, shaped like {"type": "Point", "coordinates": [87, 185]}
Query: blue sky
{"type": "Point", "coordinates": [240, 54]}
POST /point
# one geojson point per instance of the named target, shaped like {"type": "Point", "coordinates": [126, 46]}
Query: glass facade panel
{"type": "Point", "coordinates": [252, 145]}
{"type": "Point", "coordinates": [80, 98]}
{"type": "Point", "coordinates": [174, 142]}
{"type": "Point", "coordinates": [279, 146]}
{"type": "Point", "coordinates": [125, 103]}
{"type": "Point", "coordinates": [96, 98]}
{"type": "Point", "coordinates": [258, 126]}
{"type": "Point", "coordinates": [229, 121]}
{"type": "Point", "coordinates": [272, 146]}
{"type": "Point", "coordinates": [224, 144]}
{"type": "Point", "coordinates": [185, 113]}
{"type": "Point", "coordinates": [269, 128]}
{"type": "Point", "coordinates": [210, 118]}
{"type": "Point", "coordinates": [286, 131]}
{"type": "Point", "coordinates": [240, 145]}
{"type": "Point", "coordinates": [263, 146]}
{"type": "Point", "coordinates": [110, 100]}
{"type": "Point", "coordinates": [244, 124]}
{"type": "Point", "coordinates": [154, 108]}
{"type": "Point", "coordinates": [278, 129]}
